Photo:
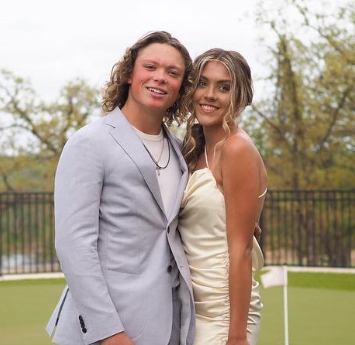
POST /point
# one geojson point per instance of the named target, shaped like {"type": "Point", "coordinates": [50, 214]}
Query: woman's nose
{"type": "Point", "coordinates": [210, 93]}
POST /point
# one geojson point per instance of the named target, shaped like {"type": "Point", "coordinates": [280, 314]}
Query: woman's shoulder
{"type": "Point", "coordinates": [239, 144]}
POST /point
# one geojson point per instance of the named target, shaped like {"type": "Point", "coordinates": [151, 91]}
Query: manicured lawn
{"type": "Point", "coordinates": [25, 306]}
{"type": "Point", "coordinates": [316, 317]}
{"type": "Point", "coordinates": [321, 310]}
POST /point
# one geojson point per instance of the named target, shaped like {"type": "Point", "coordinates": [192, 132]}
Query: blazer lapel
{"type": "Point", "coordinates": [127, 138]}
{"type": "Point", "coordinates": [184, 177]}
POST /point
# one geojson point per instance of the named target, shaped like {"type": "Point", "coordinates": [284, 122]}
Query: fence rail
{"type": "Point", "coordinates": [304, 228]}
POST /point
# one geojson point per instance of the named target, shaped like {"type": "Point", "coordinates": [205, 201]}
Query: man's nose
{"type": "Point", "coordinates": [160, 76]}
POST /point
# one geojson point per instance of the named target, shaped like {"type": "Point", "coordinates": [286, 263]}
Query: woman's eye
{"type": "Point", "coordinates": [225, 88]}
{"type": "Point", "coordinates": [201, 83]}
{"type": "Point", "coordinates": [149, 67]}
{"type": "Point", "coordinates": [174, 73]}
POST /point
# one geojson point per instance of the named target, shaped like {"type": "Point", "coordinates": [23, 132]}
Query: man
{"type": "Point", "coordinates": [118, 189]}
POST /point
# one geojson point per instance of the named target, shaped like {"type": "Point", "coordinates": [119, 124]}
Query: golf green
{"type": "Point", "coordinates": [25, 307]}
{"type": "Point", "coordinates": [321, 310]}
{"type": "Point", "coordinates": [316, 316]}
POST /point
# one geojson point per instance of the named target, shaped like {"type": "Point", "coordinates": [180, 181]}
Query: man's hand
{"type": "Point", "coordinates": [118, 339]}
{"type": "Point", "coordinates": [257, 232]}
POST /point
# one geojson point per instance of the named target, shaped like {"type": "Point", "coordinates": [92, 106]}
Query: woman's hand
{"type": "Point", "coordinates": [257, 232]}
{"type": "Point", "coordinates": [238, 342]}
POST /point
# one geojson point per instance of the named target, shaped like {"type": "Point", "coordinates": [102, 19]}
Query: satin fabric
{"type": "Point", "coordinates": [202, 225]}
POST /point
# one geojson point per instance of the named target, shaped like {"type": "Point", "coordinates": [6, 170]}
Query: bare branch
{"type": "Point", "coordinates": [5, 179]}
{"type": "Point", "coordinates": [334, 117]}
{"type": "Point", "coordinates": [275, 127]}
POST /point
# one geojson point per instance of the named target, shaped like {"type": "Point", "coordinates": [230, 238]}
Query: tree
{"type": "Point", "coordinates": [33, 133]}
{"type": "Point", "coordinates": [305, 119]}
{"type": "Point", "coordinates": [307, 114]}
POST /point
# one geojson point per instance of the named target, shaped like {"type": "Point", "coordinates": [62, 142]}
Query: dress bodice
{"type": "Point", "coordinates": [202, 223]}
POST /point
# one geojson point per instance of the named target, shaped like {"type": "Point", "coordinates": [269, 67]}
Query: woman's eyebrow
{"type": "Point", "coordinates": [218, 81]}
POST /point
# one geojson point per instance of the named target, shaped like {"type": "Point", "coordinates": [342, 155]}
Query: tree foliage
{"type": "Point", "coordinates": [303, 124]}
{"type": "Point", "coordinates": [306, 115]}
{"type": "Point", "coordinates": [33, 132]}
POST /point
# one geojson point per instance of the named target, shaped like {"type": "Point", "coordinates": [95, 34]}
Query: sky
{"type": "Point", "coordinates": [51, 42]}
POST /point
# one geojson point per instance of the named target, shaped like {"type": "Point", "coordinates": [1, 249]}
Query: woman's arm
{"type": "Point", "coordinates": [240, 180]}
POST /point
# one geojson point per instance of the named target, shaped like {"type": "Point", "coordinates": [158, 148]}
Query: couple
{"type": "Point", "coordinates": [132, 218]}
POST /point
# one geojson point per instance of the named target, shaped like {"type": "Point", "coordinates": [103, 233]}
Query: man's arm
{"type": "Point", "coordinates": [78, 185]}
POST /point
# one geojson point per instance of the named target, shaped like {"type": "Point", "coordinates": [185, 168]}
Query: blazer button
{"type": "Point", "coordinates": [82, 323]}
{"type": "Point", "coordinates": [170, 268]}
{"type": "Point", "coordinates": [84, 330]}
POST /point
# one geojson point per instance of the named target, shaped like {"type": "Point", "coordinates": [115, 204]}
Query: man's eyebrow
{"type": "Point", "coordinates": [176, 66]}
{"type": "Point", "coordinates": [156, 62]}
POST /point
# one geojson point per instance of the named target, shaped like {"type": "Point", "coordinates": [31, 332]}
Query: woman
{"type": "Point", "coordinates": [222, 202]}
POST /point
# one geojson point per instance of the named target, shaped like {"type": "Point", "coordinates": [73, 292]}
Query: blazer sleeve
{"type": "Point", "coordinates": [78, 184]}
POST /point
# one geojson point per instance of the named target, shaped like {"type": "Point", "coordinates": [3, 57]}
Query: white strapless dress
{"type": "Point", "coordinates": [202, 225]}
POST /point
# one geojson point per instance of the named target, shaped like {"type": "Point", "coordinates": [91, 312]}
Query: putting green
{"type": "Point", "coordinates": [25, 306]}
{"type": "Point", "coordinates": [321, 310]}
{"type": "Point", "coordinates": [316, 316]}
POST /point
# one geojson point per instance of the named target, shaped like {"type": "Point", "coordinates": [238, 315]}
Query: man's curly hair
{"type": "Point", "coordinates": [115, 92]}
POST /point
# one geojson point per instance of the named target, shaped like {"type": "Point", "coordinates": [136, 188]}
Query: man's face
{"type": "Point", "coordinates": [156, 78]}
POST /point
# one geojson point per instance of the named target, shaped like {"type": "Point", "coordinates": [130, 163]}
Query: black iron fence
{"type": "Point", "coordinates": [27, 233]}
{"type": "Point", "coordinates": [309, 228]}
{"type": "Point", "coordinates": [304, 228]}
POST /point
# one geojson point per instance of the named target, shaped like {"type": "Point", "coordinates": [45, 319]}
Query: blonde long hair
{"type": "Point", "coordinates": [241, 97]}
{"type": "Point", "coordinates": [115, 92]}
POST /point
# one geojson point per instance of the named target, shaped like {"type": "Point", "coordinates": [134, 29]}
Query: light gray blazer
{"type": "Point", "coordinates": [113, 240]}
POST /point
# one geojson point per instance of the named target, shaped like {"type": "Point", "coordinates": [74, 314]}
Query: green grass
{"type": "Point", "coordinates": [327, 281]}
{"type": "Point", "coordinates": [331, 281]}
{"type": "Point", "coordinates": [316, 316]}
{"type": "Point", "coordinates": [25, 306]}
{"type": "Point", "coordinates": [321, 310]}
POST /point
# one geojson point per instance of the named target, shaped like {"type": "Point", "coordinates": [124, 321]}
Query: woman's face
{"type": "Point", "coordinates": [212, 97]}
